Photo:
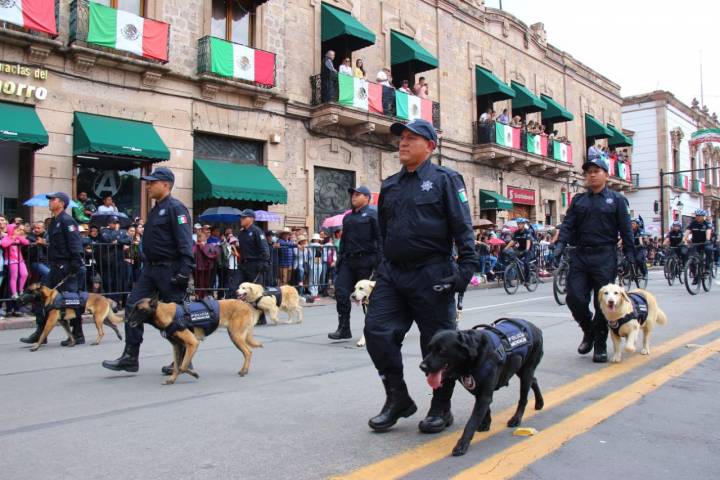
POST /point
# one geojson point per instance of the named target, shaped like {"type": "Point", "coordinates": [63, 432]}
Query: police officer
{"type": "Point", "coordinates": [169, 261]}
{"type": "Point", "coordinates": [359, 255]}
{"type": "Point", "coordinates": [674, 239]}
{"type": "Point", "coordinates": [113, 263]}
{"type": "Point", "coordinates": [254, 249]}
{"type": "Point", "coordinates": [699, 232]}
{"type": "Point", "coordinates": [422, 210]}
{"type": "Point", "coordinates": [640, 258]}
{"type": "Point", "coordinates": [592, 224]}
{"type": "Point", "coordinates": [522, 241]}
{"type": "Point", "coordinates": [66, 265]}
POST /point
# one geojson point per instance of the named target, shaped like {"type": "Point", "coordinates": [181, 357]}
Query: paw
{"type": "Point", "coordinates": [361, 343]}
{"type": "Point", "coordinates": [168, 381]}
{"type": "Point", "coordinates": [629, 348]}
{"type": "Point", "coordinates": [242, 373]}
{"type": "Point", "coordinates": [514, 422]}
{"type": "Point", "coordinates": [460, 449]}
{"type": "Point", "coordinates": [95, 343]}
{"type": "Point", "coordinates": [484, 427]}
{"type": "Point", "coordinates": [192, 373]}
{"type": "Point", "coordinates": [34, 347]}
{"type": "Point", "coordinates": [616, 359]}
{"type": "Point", "coordinates": [645, 351]}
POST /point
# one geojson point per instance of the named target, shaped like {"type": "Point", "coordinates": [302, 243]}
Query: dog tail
{"type": "Point", "coordinates": [250, 340]}
{"type": "Point", "coordinates": [113, 317]}
{"type": "Point", "coordinates": [661, 317]}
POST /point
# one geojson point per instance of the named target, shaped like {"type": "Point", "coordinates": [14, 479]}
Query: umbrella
{"type": "Point", "coordinates": [263, 216]}
{"type": "Point", "coordinates": [510, 224]}
{"type": "Point", "coordinates": [483, 223]}
{"type": "Point", "coordinates": [334, 221]}
{"type": "Point", "coordinates": [495, 241]}
{"type": "Point", "coordinates": [101, 219]}
{"type": "Point", "coordinates": [40, 200]}
{"type": "Point", "coordinates": [220, 215]}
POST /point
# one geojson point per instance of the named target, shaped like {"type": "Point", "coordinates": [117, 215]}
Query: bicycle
{"type": "Point", "coordinates": [560, 277]}
{"type": "Point", "coordinates": [697, 272]}
{"type": "Point", "coordinates": [514, 274]}
{"type": "Point", "coordinates": [628, 272]}
{"type": "Point", "coordinates": [674, 267]}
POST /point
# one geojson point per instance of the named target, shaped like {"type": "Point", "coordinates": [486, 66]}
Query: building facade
{"type": "Point", "coordinates": [232, 95]}
{"type": "Point", "coordinates": [673, 137]}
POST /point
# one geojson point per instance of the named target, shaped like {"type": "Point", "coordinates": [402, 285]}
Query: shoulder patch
{"type": "Point", "coordinates": [462, 195]}
{"type": "Point", "coordinates": [182, 219]}
{"type": "Point", "coordinates": [72, 228]}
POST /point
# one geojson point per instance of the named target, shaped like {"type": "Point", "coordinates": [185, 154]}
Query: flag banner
{"type": "Point", "coordinates": [353, 91]}
{"type": "Point", "coordinates": [408, 107]}
{"type": "Point", "coordinates": [507, 136]}
{"type": "Point", "coordinates": [533, 144]}
{"type": "Point", "coordinates": [612, 165]}
{"type": "Point", "coordinates": [682, 181]}
{"type": "Point", "coordinates": [426, 109]}
{"type": "Point", "coordinates": [562, 152]}
{"type": "Point", "coordinates": [233, 60]}
{"type": "Point", "coordinates": [128, 32]}
{"type": "Point", "coordinates": [565, 198]}
{"type": "Point", "coordinates": [706, 135]}
{"type": "Point", "coordinates": [699, 186]}
{"type": "Point", "coordinates": [36, 15]}
{"type": "Point", "coordinates": [621, 169]}
{"type": "Point", "coordinates": [375, 97]}
{"type": "Point", "coordinates": [628, 173]}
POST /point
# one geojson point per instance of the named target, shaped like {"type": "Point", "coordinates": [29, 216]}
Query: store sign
{"type": "Point", "coordinates": [20, 87]}
{"type": "Point", "coordinates": [522, 196]}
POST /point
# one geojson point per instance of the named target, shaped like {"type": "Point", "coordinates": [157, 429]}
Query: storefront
{"type": "Point", "coordinates": [491, 202]}
{"type": "Point", "coordinates": [523, 203]}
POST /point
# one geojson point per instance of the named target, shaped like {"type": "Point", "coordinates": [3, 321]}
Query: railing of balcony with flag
{"type": "Point", "coordinates": [234, 61]}
{"type": "Point", "coordinates": [514, 137]}
{"type": "Point", "coordinates": [636, 180]}
{"type": "Point", "coordinates": [36, 17]}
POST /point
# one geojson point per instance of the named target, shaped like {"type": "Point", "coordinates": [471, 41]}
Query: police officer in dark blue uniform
{"type": "Point", "coordinates": [254, 249]}
{"type": "Point", "coordinates": [674, 239]}
{"type": "Point", "coordinates": [640, 258]}
{"type": "Point", "coordinates": [169, 261]}
{"type": "Point", "coordinates": [66, 265]}
{"type": "Point", "coordinates": [592, 224]}
{"type": "Point", "coordinates": [699, 235]}
{"type": "Point", "coordinates": [360, 253]}
{"type": "Point", "coordinates": [422, 211]}
{"type": "Point", "coordinates": [522, 242]}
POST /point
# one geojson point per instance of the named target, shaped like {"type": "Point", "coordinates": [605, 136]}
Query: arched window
{"type": "Point", "coordinates": [233, 20]}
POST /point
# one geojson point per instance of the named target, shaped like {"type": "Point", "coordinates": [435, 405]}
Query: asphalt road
{"type": "Point", "coordinates": [302, 411]}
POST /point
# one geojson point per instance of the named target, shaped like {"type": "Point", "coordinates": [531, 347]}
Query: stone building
{"type": "Point", "coordinates": [237, 106]}
{"type": "Point", "coordinates": [673, 137]}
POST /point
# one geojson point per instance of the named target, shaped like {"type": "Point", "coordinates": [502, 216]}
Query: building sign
{"type": "Point", "coordinates": [23, 88]}
{"type": "Point", "coordinates": [522, 196]}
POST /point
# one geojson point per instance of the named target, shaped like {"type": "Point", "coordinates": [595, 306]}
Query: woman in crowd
{"type": "Point", "coordinates": [359, 70]}
{"type": "Point", "coordinates": [346, 67]}
{"type": "Point", "coordinates": [12, 243]}
{"type": "Point", "coordinates": [3, 232]}
{"type": "Point", "coordinates": [205, 258]}
{"type": "Point", "coordinates": [303, 258]}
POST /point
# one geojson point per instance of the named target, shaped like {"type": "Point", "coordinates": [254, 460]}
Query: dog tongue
{"type": "Point", "coordinates": [435, 379]}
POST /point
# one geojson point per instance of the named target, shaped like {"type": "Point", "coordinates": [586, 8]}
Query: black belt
{"type": "Point", "coordinates": [358, 254]}
{"type": "Point", "coordinates": [594, 248]}
{"type": "Point", "coordinates": [248, 260]}
{"type": "Point", "coordinates": [162, 263]}
{"type": "Point", "coordinates": [422, 262]}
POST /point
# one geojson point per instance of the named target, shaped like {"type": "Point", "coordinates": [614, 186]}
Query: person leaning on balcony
{"type": "Point", "coordinates": [359, 70]}
{"type": "Point", "coordinates": [328, 78]}
{"type": "Point", "coordinates": [503, 118]}
{"type": "Point", "coordinates": [346, 67]}
{"type": "Point", "coordinates": [593, 152]}
{"type": "Point", "coordinates": [487, 116]}
{"type": "Point", "coordinates": [406, 87]}
{"type": "Point", "coordinates": [421, 89]}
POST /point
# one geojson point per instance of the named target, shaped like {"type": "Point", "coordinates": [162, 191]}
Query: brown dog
{"type": "Point", "coordinates": [96, 304]}
{"type": "Point", "coordinates": [234, 315]}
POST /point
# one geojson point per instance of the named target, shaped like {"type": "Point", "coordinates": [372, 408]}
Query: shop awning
{"type": "Point", "coordinates": [236, 181]}
{"type": "Point", "coordinates": [406, 50]}
{"type": "Point", "coordinates": [618, 138]}
{"type": "Point", "coordinates": [555, 112]}
{"type": "Point", "coordinates": [117, 136]}
{"type": "Point", "coordinates": [490, 200]}
{"type": "Point", "coordinates": [525, 101]}
{"type": "Point", "coordinates": [336, 23]}
{"type": "Point", "coordinates": [595, 129]}
{"type": "Point", "coordinates": [488, 85]}
{"type": "Point", "coordinates": [20, 123]}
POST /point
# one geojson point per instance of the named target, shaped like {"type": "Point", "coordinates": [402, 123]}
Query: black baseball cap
{"type": "Point", "coordinates": [113, 219]}
{"type": "Point", "coordinates": [247, 213]}
{"type": "Point", "coordinates": [162, 174]}
{"type": "Point", "coordinates": [61, 195]}
{"type": "Point", "coordinates": [419, 126]}
{"type": "Point", "coordinates": [361, 189]}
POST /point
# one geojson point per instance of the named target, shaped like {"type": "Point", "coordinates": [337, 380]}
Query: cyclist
{"type": "Point", "coordinates": [522, 241]}
{"type": "Point", "coordinates": [674, 240]}
{"type": "Point", "coordinates": [640, 248]}
{"type": "Point", "coordinates": [699, 232]}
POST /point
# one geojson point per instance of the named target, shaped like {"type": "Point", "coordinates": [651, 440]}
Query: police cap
{"type": "Point", "coordinates": [162, 174]}
{"type": "Point", "coordinates": [61, 195]}
{"type": "Point", "coordinates": [598, 162]}
{"type": "Point", "coordinates": [247, 213]}
{"type": "Point", "coordinates": [361, 189]}
{"type": "Point", "coordinates": [419, 126]}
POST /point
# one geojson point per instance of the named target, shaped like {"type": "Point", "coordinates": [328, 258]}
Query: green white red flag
{"type": "Point", "coordinates": [36, 15]}
{"type": "Point", "coordinates": [507, 136]}
{"type": "Point", "coordinates": [353, 91]}
{"type": "Point", "coordinates": [233, 60]}
{"type": "Point", "coordinates": [409, 107]}
{"type": "Point", "coordinates": [562, 152]}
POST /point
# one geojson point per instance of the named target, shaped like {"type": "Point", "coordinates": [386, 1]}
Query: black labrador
{"type": "Point", "coordinates": [484, 359]}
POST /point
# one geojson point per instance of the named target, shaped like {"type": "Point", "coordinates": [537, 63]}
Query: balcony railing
{"type": "Point", "coordinates": [518, 139]}
{"type": "Point", "coordinates": [636, 180]}
{"type": "Point", "coordinates": [217, 57]}
{"type": "Point", "coordinates": [374, 98]}
{"type": "Point", "coordinates": [698, 186]}
{"type": "Point", "coordinates": [681, 181]}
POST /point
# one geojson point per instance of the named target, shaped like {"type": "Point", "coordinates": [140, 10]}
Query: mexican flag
{"type": "Point", "coordinates": [628, 172]}
{"type": "Point", "coordinates": [682, 181]}
{"type": "Point", "coordinates": [353, 91]}
{"type": "Point", "coordinates": [611, 166]}
{"type": "Point", "coordinates": [562, 152]}
{"type": "Point", "coordinates": [706, 135]}
{"type": "Point", "coordinates": [699, 186]}
{"type": "Point", "coordinates": [537, 144]}
{"type": "Point", "coordinates": [244, 63]}
{"type": "Point", "coordinates": [409, 107]}
{"type": "Point", "coordinates": [565, 198]}
{"type": "Point", "coordinates": [38, 15]}
{"type": "Point", "coordinates": [128, 32]}
{"type": "Point", "coordinates": [507, 136]}
{"type": "Point", "coordinates": [621, 169]}
{"type": "Point", "coordinates": [375, 97]}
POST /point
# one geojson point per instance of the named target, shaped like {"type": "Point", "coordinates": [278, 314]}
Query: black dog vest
{"type": "Point", "coordinates": [639, 313]}
{"type": "Point", "coordinates": [204, 314]}
{"type": "Point", "coordinates": [273, 292]}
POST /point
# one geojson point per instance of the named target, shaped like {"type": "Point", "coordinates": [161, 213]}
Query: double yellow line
{"type": "Point", "coordinates": [544, 443]}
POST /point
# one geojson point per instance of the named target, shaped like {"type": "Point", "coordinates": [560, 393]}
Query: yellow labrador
{"type": "Point", "coordinates": [361, 296]}
{"type": "Point", "coordinates": [267, 301]}
{"type": "Point", "coordinates": [626, 318]}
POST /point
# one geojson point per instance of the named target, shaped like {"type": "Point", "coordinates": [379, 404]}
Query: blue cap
{"type": "Point", "coordinates": [162, 174]}
{"type": "Point", "coordinates": [700, 212]}
{"type": "Point", "coordinates": [598, 162]}
{"type": "Point", "coordinates": [677, 223]}
{"type": "Point", "coordinates": [247, 213]}
{"type": "Point", "coordinates": [361, 189]}
{"type": "Point", "coordinates": [521, 220]}
{"type": "Point", "coordinates": [61, 195]}
{"type": "Point", "coordinates": [113, 219]}
{"type": "Point", "coordinates": [418, 126]}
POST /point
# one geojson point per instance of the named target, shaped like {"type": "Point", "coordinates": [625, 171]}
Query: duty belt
{"type": "Point", "coordinates": [162, 263]}
{"type": "Point", "coordinates": [422, 262]}
{"type": "Point", "coordinates": [593, 248]}
{"type": "Point", "coordinates": [359, 254]}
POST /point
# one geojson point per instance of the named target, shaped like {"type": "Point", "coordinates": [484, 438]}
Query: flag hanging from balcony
{"type": "Point", "coordinates": [353, 91]}
{"type": "Point", "coordinates": [611, 166]}
{"type": "Point", "coordinates": [621, 169]}
{"type": "Point", "coordinates": [699, 186]}
{"type": "Point", "coordinates": [409, 107]}
{"type": "Point", "coordinates": [128, 32]}
{"type": "Point", "coordinates": [37, 15]}
{"type": "Point", "coordinates": [238, 61]}
{"type": "Point", "coordinates": [537, 144]}
{"type": "Point", "coordinates": [507, 136]}
{"type": "Point", "coordinates": [682, 181]}
{"type": "Point", "coordinates": [375, 97]}
{"type": "Point", "coordinates": [562, 152]}
{"type": "Point", "coordinates": [565, 198]}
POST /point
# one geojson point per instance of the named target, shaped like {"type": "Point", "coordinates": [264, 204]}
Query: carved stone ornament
{"type": "Point", "coordinates": [83, 62]}
{"type": "Point", "coordinates": [38, 53]}
{"type": "Point", "coordinates": [150, 78]}
{"type": "Point", "coordinates": [539, 32]}
{"type": "Point", "coordinates": [505, 28]}
{"type": "Point", "coordinates": [676, 136]}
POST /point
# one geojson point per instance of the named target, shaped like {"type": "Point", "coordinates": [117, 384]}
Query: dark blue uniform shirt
{"type": "Point", "coordinates": [64, 236]}
{"type": "Point", "coordinates": [675, 237]}
{"type": "Point", "coordinates": [594, 219]}
{"type": "Point", "coordinates": [697, 231]}
{"type": "Point", "coordinates": [253, 246]}
{"type": "Point", "coordinates": [168, 234]}
{"type": "Point", "coordinates": [422, 212]}
{"type": "Point", "coordinates": [361, 233]}
{"type": "Point", "coordinates": [637, 235]}
{"type": "Point", "coordinates": [522, 237]}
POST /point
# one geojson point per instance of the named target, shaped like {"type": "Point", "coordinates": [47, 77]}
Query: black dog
{"type": "Point", "coordinates": [484, 359]}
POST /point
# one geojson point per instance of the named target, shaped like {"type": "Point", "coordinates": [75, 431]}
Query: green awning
{"type": "Point", "coordinates": [117, 136]}
{"type": "Point", "coordinates": [488, 85]}
{"type": "Point", "coordinates": [336, 23]}
{"type": "Point", "coordinates": [20, 123]}
{"type": "Point", "coordinates": [555, 112]}
{"type": "Point", "coordinates": [490, 200]}
{"type": "Point", "coordinates": [594, 129]}
{"type": "Point", "coordinates": [525, 101]}
{"type": "Point", "coordinates": [236, 181]}
{"type": "Point", "coordinates": [404, 49]}
{"type": "Point", "coordinates": [618, 138]}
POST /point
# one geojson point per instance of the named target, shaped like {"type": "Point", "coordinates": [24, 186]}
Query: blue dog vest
{"type": "Point", "coordinates": [63, 300]}
{"type": "Point", "coordinates": [204, 314]}
{"type": "Point", "coordinates": [639, 313]}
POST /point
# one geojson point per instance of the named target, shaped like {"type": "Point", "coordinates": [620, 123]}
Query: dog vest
{"type": "Point", "coordinates": [204, 314]}
{"type": "Point", "coordinates": [270, 292]}
{"type": "Point", "coordinates": [74, 300]}
{"type": "Point", "coordinates": [639, 313]}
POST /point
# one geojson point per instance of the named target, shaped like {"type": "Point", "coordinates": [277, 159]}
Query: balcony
{"type": "Point", "coordinates": [37, 37]}
{"type": "Point", "coordinates": [503, 145]}
{"type": "Point", "coordinates": [698, 186]}
{"type": "Point", "coordinates": [364, 107]}
{"type": "Point", "coordinates": [144, 52]}
{"type": "Point", "coordinates": [681, 182]}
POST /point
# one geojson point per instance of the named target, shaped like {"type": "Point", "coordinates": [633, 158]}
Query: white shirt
{"type": "Point", "coordinates": [106, 209]}
{"type": "Point", "coordinates": [381, 76]}
{"type": "Point", "coordinates": [346, 70]}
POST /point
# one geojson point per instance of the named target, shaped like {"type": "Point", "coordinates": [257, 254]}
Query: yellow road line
{"type": "Point", "coordinates": [423, 455]}
{"type": "Point", "coordinates": [513, 460]}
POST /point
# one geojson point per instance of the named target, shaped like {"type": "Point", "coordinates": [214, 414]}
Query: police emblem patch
{"type": "Point", "coordinates": [463, 195]}
{"type": "Point", "coordinates": [426, 186]}
{"type": "Point", "coordinates": [609, 201]}
{"type": "Point", "coordinates": [161, 212]}
{"type": "Point", "coordinates": [182, 219]}
{"type": "Point", "coordinates": [468, 382]}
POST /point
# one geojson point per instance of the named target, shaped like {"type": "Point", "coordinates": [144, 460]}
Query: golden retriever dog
{"type": "Point", "coordinates": [623, 320]}
{"type": "Point", "coordinates": [361, 296]}
{"type": "Point", "coordinates": [265, 300]}
{"type": "Point", "coordinates": [95, 304]}
{"type": "Point", "coordinates": [233, 315]}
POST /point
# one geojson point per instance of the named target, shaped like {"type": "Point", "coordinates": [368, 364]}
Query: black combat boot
{"type": "Point", "coordinates": [398, 404]}
{"type": "Point", "coordinates": [343, 330]}
{"type": "Point", "coordinates": [439, 417]}
{"type": "Point", "coordinates": [587, 342]}
{"type": "Point", "coordinates": [127, 362]}
{"type": "Point", "coordinates": [77, 333]}
{"type": "Point", "coordinates": [35, 336]}
{"type": "Point", "coordinates": [600, 352]}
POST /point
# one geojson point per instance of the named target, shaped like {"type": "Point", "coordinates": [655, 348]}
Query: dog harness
{"type": "Point", "coordinates": [270, 292]}
{"type": "Point", "coordinates": [74, 300]}
{"type": "Point", "coordinates": [639, 313]}
{"type": "Point", "coordinates": [204, 314]}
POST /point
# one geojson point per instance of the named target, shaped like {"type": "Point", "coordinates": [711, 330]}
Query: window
{"type": "Point", "coordinates": [228, 149]}
{"type": "Point", "coordinates": [120, 180]}
{"type": "Point", "coordinates": [133, 6]}
{"type": "Point", "coordinates": [233, 20]}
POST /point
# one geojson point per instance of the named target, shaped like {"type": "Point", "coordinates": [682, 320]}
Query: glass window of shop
{"type": "Point", "coordinates": [233, 20]}
{"type": "Point", "coordinates": [133, 6]}
{"type": "Point", "coordinates": [119, 179]}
